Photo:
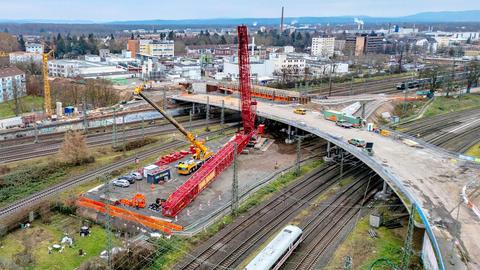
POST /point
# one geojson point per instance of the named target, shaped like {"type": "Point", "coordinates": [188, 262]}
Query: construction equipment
{"type": "Point", "coordinates": [138, 201]}
{"type": "Point", "coordinates": [46, 85]}
{"type": "Point", "coordinates": [213, 167]}
{"type": "Point", "coordinates": [300, 111]}
{"type": "Point", "coordinates": [3, 54]}
{"type": "Point", "coordinates": [202, 153]}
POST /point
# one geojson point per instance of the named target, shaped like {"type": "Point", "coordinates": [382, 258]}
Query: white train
{"type": "Point", "coordinates": [278, 250]}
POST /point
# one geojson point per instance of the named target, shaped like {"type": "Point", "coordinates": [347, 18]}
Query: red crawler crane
{"type": "Point", "coordinates": [186, 193]}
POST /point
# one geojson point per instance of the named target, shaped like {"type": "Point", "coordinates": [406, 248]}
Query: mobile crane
{"type": "Point", "coordinates": [202, 153]}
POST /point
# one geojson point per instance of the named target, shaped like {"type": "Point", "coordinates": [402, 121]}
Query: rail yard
{"type": "Point", "coordinates": [240, 146]}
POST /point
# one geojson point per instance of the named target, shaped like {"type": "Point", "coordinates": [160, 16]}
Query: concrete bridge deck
{"type": "Point", "coordinates": [431, 178]}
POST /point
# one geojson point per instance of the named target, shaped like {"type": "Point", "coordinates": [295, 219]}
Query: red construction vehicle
{"type": "Point", "coordinates": [186, 193]}
{"type": "Point", "coordinates": [138, 201]}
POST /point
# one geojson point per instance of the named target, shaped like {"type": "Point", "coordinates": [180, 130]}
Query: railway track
{"type": "Point", "coordinates": [31, 150]}
{"type": "Point", "coordinates": [35, 198]}
{"type": "Point", "coordinates": [456, 131]}
{"type": "Point", "coordinates": [227, 248]}
{"type": "Point", "coordinates": [325, 226]}
{"type": "Point", "coordinates": [370, 87]}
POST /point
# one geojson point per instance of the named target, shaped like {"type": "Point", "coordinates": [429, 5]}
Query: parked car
{"type": "Point", "coordinates": [138, 176]}
{"type": "Point", "coordinates": [343, 123]}
{"type": "Point", "coordinates": [357, 142]}
{"type": "Point", "coordinates": [121, 183]}
{"type": "Point", "coordinates": [130, 178]}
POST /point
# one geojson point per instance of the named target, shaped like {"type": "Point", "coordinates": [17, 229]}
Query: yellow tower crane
{"type": "Point", "coordinates": [46, 85]}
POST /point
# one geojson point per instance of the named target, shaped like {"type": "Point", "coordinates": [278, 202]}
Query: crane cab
{"type": "Point", "coordinates": [189, 166]}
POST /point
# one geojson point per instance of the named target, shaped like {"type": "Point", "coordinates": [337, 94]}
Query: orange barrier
{"type": "Point", "coordinates": [151, 222]}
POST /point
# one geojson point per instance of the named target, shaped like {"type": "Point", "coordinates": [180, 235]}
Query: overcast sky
{"type": "Point", "coordinates": [108, 10]}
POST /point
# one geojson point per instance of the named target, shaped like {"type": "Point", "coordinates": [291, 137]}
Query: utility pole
{"type": "Point", "coordinates": [164, 99]}
{"type": "Point", "coordinates": [407, 250]}
{"type": "Point", "coordinates": [235, 182]}
{"type": "Point", "coordinates": [299, 149]}
{"type": "Point", "coordinates": [36, 132]}
{"type": "Point", "coordinates": [85, 120]}
{"type": "Point", "coordinates": [351, 86]}
{"type": "Point", "coordinates": [363, 110]}
{"type": "Point", "coordinates": [341, 162]}
{"type": "Point", "coordinates": [124, 143]}
{"type": "Point", "coordinates": [108, 225]}
{"type": "Point", "coordinates": [330, 82]}
{"type": "Point", "coordinates": [143, 128]}
{"type": "Point", "coordinates": [208, 113]}
{"type": "Point", "coordinates": [114, 128]}
{"type": "Point", "coordinates": [222, 116]}
{"type": "Point", "coordinates": [190, 114]}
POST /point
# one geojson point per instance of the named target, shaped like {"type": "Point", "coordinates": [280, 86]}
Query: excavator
{"type": "Point", "coordinates": [202, 153]}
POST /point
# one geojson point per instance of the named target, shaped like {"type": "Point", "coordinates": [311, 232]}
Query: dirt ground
{"type": "Point", "coordinates": [252, 168]}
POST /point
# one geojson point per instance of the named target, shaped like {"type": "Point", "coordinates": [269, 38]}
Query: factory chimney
{"type": "Point", "coordinates": [281, 22]}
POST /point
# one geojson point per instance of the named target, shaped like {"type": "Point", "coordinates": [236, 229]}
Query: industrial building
{"type": "Point", "coordinates": [85, 69]}
{"type": "Point", "coordinates": [323, 46]}
{"type": "Point", "coordinates": [12, 83]}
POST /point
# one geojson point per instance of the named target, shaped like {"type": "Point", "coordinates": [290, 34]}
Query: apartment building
{"type": "Point", "coordinates": [12, 83]}
{"type": "Point", "coordinates": [323, 46]}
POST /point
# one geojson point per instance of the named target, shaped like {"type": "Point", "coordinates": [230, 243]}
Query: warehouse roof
{"type": "Point", "coordinates": [10, 71]}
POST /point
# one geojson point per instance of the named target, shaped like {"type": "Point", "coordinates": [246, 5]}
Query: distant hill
{"type": "Point", "coordinates": [426, 17]}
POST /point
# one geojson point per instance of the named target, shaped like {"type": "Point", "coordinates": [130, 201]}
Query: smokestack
{"type": "Point", "coordinates": [281, 22]}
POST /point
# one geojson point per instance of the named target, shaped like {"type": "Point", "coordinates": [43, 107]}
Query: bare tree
{"type": "Point", "coordinates": [473, 74]}
{"type": "Point", "coordinates": [74, 149]}
{"type": "Point", "coordinates": [433, 75]}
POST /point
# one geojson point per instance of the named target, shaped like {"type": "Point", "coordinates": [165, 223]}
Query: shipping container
{"type": "Point", "coordinates": [335, 116]}
{"type": "Point", "coordinates": [149, 168]}
{"type": "Point", "coordinates": [161, 174]}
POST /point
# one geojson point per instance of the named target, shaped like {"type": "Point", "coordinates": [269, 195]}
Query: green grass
{"type": "Point", "coordinates": [364, 249]}
{"type": "Point", "coordinates": [27, 104]}
{"type": "Point", "coordinates": [442, 105]}
{"type": "Point", "coordinates": [474, 151]}
{"type": "Point", "coordinates": [177, 247]}
{"type": "Point", "coordinates": [40, 236]}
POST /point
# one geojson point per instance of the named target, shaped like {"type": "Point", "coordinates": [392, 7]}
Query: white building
{"type": "Point", "coordinates": [25, 57]}
{"type": "Point", "coordinates": [188, 71]}
{"type": "Point", "coordinates": [318, 68]}
{"type": "Point", "coordinates": [92, 58]}
{"type": "Point", "coordinates": [323, 46]}
{"type": "Point", "coordinates": [12, 82]}
{"type": "Point", "coordinates": [34, 48]}
{"type": "Point", "coordinates": [157, 48]}
{"type": "Point", "coordinates": [85, 69]}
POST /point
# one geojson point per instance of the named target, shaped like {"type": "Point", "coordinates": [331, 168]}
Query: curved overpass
{"type": "Point", "coordinates": [430, 178]}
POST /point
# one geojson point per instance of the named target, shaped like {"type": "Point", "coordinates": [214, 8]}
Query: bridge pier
{"type": "Point", "coordinates": [385, 193]}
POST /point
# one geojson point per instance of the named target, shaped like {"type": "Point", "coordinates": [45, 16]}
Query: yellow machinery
{"type": "Point", "coordinates": [202, 153]}
{"type": "Point", "coordinates": [46, 85]}
{"type": "Point", "coordinates": [3, 54]}
{"type": "Point", "coordinates": [301, 111]}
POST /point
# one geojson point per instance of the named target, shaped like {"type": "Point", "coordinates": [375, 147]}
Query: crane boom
{"type": "Point", "coordinates": [202, 151]}
{"type": "Point", "coordinates": [46, 85]}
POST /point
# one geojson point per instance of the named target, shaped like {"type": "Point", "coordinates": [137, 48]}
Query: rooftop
{"type": "Point", "coordinates": [10, 71]}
